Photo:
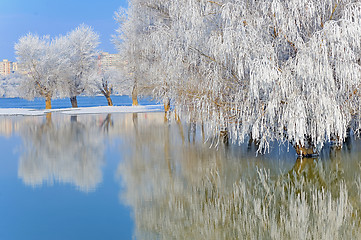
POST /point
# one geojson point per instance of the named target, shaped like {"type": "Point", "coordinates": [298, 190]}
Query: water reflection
{"type": "Point", "coordinates": [182, 189]}
{"type": "Point", "coordinates": [63, 151]}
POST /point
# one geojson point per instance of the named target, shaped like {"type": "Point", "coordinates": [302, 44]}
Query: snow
{"type": "Point", "coordinates": [82, 110]}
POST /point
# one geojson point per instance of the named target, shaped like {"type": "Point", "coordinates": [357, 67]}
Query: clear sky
{"type": "Point", "coordinates": [55, 17]}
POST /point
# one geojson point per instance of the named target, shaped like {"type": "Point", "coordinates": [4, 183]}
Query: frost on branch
{"type": "Point", "coordinates": [9, 86]}
{"type": "Point", "coordinates": [58, 67]}
{"type": "Point", "coordinates": [107, 82]}
{"type": "Point", "coordinates": [81, 46]}
{"type": "Point", "coordinates": [266, 70]}
{"type": "Point", "coordinates": [36, 58]}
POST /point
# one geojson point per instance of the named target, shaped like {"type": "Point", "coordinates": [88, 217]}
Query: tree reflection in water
{"type": "Point", "coordinates": [190, 191]}
{"type": "Point", "coordinates": [64, 151]}
{"type": "Point", "coordinates": [180, 188]}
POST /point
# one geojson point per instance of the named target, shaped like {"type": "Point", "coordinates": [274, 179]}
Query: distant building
{"type": "Point", "coordinates": [107, 61]}
{"type": "Point", "coordinates": [7, 67]}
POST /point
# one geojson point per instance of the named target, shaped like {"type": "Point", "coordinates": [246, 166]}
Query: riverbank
{"type": "Point", "coordinates": [81, 110]}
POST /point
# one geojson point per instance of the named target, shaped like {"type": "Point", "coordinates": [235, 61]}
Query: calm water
{"type": "Point", "coordinates": [39, 103]}
{"type": "Point", "coordinates": [124, 176]}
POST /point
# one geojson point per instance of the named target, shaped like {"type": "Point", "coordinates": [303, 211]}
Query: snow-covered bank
{"type": "Point", "coordinates": [82, 110]}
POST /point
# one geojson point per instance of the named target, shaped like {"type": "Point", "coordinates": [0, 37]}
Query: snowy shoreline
{"type": "Point", "coordinates": [81, 110]}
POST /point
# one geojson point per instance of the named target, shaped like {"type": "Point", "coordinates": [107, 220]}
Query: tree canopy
{"type": "Point", "coordinates": [265, 70]}
{"type": "Point", "coordinates": [58, 67]}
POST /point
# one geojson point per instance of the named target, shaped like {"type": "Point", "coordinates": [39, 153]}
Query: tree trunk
{"type": "Point", "coordinates": [203, 135]}
{"type": "Point", "coordinates": [74, 102]}
{"type": "Point", "coordinates": [135, 96]}
{"type": "Point", "coordinates": [348, 141]}
{"type": "Point", "coordinates": [167, 105]}
{"type": "Point", "coordinates": [224, 136]}
{"type": "Point", "coordinates": [305, 151]}
{"type": "Point", "coordinates": [48, 102]}
{"type": "Point", "coordinates": [166, 109]}
{"type": "Point", "coordinates": [110, 102]}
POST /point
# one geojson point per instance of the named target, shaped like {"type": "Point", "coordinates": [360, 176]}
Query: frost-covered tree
{"type": "Point", "coordinates": [10, 84]}
{"type": "Point", "coordinates": [265, 70]}
{"type": "Point", "coordinates": [38, 58]}
{"type": "Point", "coordinates": [132, 41]}
{"type": "Point", "coordinates": [58, 67]}
{"type": "Point", "coordinates": [107, 82]}
{"type": "Point", "coordinates": [80, 48]}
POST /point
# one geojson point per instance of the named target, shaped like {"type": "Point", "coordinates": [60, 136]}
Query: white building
{"type": "Point", "coordinates": [7, 67]}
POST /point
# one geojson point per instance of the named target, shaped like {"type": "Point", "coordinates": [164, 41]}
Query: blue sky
{"type": "Point", "coordinates": [55, 17]}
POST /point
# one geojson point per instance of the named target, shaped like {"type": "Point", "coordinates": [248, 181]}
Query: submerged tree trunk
{"type": "Point", "coordinates": [135, 96]}
{"type": "Point", "coordinates": [224, 136]}
{"type": "Point", "coordinates": [306, 150]}
{"type": "Point", "coordinates": [203, 135]}
{"type": "Point", "coordinates": [74, 102]}
{"type": "Point", "coordinates": [47, 102]}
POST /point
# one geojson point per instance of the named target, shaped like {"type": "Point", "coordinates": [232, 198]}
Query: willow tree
{"type": "Point", "coordinates": [133, 40]}
{"type": "Point", "coordinates": [81, 54]}
{"type": "Point", "coordinates": [127, 45]}
{"type": "Point", "coordinates": [266, 70]}
{"type": "Point", "coordinates": [37, 58]}
{"type": "Point", "coordinates": [107, 82]}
